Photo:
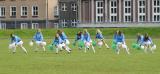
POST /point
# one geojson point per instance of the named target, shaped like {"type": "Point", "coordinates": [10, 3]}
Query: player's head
{"type": "Point", "coordinates": [85, 31]}
{"type": "Point", "coordinates": [146, 35]}
{"type": "Point", "coordinates": [116, 32]}
{"type": "Point", "coordinates": [138, 34]}
{"type": "Point", "coordinates": [98, 31]}
{"type": "Point", "coordinates": [38, 30]}
{"type": "Point", "coordinates": [79, 33]}
{"type": "Point", "coordinates": [119, 32]}
{"type": "Point", "coordinates": [59, 31]}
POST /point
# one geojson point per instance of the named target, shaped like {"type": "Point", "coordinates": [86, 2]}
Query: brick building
{"type": "Point", "coordinates": [27, 14]}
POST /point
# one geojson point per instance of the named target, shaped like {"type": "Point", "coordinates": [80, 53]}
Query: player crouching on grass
{"type": "Point", "coordinates": [59, 44]}
{"type": "Point", "coordinates": [100, 39]}
{"type": "Point", "coordinates": [120, 42]}
{"type": "Point", "coordinates": [79, 38]}
{"type": "Point", "coordinates": [87, 41]}
{"type": "Point", "coordinates": [140, 39]}
{"type": "Point", "coordinates": [63, 36]}
{"type": "Point", "coordinates": [38, 38]}
{"type": "Point", "coordinates": [148, 44]}
{"type": "Point", "coordinates": [16, 41]}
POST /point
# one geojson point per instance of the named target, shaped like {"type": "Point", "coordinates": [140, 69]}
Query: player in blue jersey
{"type": "Point", "coordinates": [59, 44]}
{"type": "Point", "coordinates": [147, 43]}
{"type": "Point", "coordinates": [38, 38]}
{"type": "Point", "coordinates": [64, 37]}
{"type": "Point", "coordinates": [87, 41]}
{"type": "Point", "coordinates": [16, 42]}
{"type": "Point", "coordinates": [79, 38]}
{"type": "Point", "coordinates": [120, 42]}
{"type": "Point", "coordinates": [100, 39]}
{"type": "Point", "coordinates": [140, 38]}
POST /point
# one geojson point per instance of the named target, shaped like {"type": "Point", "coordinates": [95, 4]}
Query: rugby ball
{"type": "Point", "coordinates": [31, 43]}
{"type": "Point", "coordinates": [44, 43]}
{"type": "Point", "coordinates": [87, 43]}
{"type": "Point", "coordinates": [154, 47]}
{"type": "Point", "coordinates": [11, 46]}
{"type": "Point", "coordinates": [100, 43]}
{"type": "Point", "coordinates": [142, 47]}
{"type": "Point", "coordinates": [124, 46]}
{"type": "Point", "coordinates": [67, 42]}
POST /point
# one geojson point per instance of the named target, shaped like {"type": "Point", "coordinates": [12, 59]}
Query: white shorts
{"type": "Point", "coordinates": [41, 43]}
{"type": "Point", "coordinates": [61, 45]}
{"type": "Point", "coordinates": [100, 43]}
{"type": "Point", "coordinates": [119, 43]}
{"type": "Point", "coordinates": [13, 45]}
{"type": "Point", "coordinates": [147, 43]}
{"type": "Point", "coordinates": [19, 43]}
{"type": "Point", "coordinates": [38, 42]}
{"type": "Point", "coordinates": [122, 44]}
{"type": "Point", "coordinates": [88, 44]}
{"type": "Point", "coordinates": [100, 39]}
{"type": "Point", "coordinates": [89, 41]}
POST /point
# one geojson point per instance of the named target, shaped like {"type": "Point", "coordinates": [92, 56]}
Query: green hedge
{"type": "Point", "coordinates": [107, 32]}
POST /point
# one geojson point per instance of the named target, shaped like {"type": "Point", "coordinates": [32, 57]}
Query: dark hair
{"type": "Point", "coordinates": [79, 33]}
{"type": "Point", "coordinates": [138, 35]}
{"type": "Point", "coordinates": [119, 33]}
{"type": "Point", "coordinates": [11, 35]}
{"type": "Point", "coordinates": [146, 37]}
{"type": "Point", "coordinates": [59, 32]}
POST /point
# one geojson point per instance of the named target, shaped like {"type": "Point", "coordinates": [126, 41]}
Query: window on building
{"type": "Point", "coordinates": [127, 10]}
{"type": "Point", "coordinates": [99, 18]}
{"type": "Point", "coordinates": [141, 10]}
{"type": "Point", "coordinates": [113, 18]}
{"type": "Point", "coordinates": [74, 23]}
{"type": "Point", "coordinates": [35, 25]}
{"type": "Point", "coordinates": [24, 11]}
{"type": "Point", "coordinates": [156, 10]}
{"type": "Point", "coordinates": [56, 25]}
{"type": "Point", "coordinates": [74, 6]}
{"type": "Point", "coordinates": [2, 25]}
{"type": "Point", "coordinates": [63, 7]}
{"type": "Point", "coordinates": [64, 23]}
{"type": "Point", "coordinates": [24, 25]}
{"type": "Point", "coordinates": [2, 11]}
{"type": "Point", "coordinates": [113, 10]}
{"type": "Point", "coordinates": [34, 10]}
{"type": "Point", "coordinates": [99, 11]}
{"type": "Point", "coordinates": [56, 11]}
{"type": "Point", "coordinates": [13, 11]}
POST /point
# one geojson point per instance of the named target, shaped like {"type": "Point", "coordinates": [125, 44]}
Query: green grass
{"type": "Point", "coordinates": [104, 61]}
{"type": "Point", "coordinates": [107, 32]}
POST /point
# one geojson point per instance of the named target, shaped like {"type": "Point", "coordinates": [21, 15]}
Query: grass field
{"type": "Point", "coordinates": [70, 32]}
{"type": "Point", "coordinates": [104, 61]}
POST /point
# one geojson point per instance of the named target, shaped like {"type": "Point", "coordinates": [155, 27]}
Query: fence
{"type": "Point", "coordinates": [27, 24]}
